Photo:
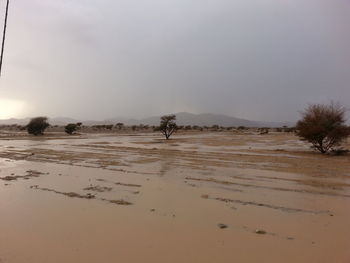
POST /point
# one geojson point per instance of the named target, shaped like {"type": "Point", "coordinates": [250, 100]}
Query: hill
{"type": "Point", "coordinates": [183, 118]}
{"type": "Point", "coordinates": [204, 119]}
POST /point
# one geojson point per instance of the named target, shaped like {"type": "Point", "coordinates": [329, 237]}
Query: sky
{"type": "Point", "coordinates": [95, 59]}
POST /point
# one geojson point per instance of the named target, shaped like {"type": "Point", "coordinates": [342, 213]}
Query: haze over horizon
{"type": "Point", "coordinates": [257, 60]}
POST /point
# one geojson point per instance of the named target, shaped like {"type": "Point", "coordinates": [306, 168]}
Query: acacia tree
{"type": "Point", "coordinates": [37, 126]}
{"type": "Point", "coordinates": [168, 125]}
{"type": "Point", "coordinates": [323, 126]}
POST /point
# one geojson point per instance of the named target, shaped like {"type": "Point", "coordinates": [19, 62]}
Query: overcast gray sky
{"type": "Point", "coordinates": [95, 59]}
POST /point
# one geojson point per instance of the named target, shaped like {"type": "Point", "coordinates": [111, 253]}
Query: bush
{"type": "Point", "coordinates": [37, 126]}
{"type": "Point", "coordinates": [263, 131]}
{"type": "Point", "coordinates": [292, 129]}
{"type": "Point", "coordinates": [168, 125]}
{"type": "Point", "coordinates": [119, 125]}
{"type": "Point", "coordinates": [340, 152]}
{"type": "Point", "coordinates": [72, 127]}
{"type": "Point", "coordinates": [323, 126]}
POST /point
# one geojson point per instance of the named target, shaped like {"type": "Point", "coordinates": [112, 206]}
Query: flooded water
{"type": "Point", "coordinates": [209, 197]}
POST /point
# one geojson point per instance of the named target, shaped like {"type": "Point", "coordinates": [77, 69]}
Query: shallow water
{"type": "Point", "coordinates": [175, 194]}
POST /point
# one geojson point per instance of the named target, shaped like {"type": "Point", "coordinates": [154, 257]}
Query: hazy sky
{"type": "Point", "coordinates": [95, 59]}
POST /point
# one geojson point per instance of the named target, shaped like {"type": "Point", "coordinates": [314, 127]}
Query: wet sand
{"type": "Point", "coordinates": [199, 197]}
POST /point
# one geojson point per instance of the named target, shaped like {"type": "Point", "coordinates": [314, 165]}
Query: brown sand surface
{"type": "Point", "coordinates": [199, 197]}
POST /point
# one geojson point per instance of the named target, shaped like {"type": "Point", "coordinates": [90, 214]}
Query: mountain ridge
{"type": "Point", "coordinates": [182, 118]}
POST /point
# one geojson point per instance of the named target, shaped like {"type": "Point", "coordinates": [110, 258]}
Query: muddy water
{"type": "Point", "coordinates": [141, 199]}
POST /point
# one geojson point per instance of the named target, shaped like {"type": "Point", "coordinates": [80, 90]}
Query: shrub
{"type": "Point", "coordinates": [340, 151]}
{"type": "Point", "coordinates": [323, 126]}
{"type": "Point", "coordinates": [168, 125]}
{"type": "Point", "coordinates": [263, 131]}
{"type": "Point", "coordinates": [291, 129]}
{"type": "Point", "coordinates": [72, 127]}
{"type": "Point", "coordinates": [37, 126]}
{"type": "Point", "coordinates": [119, 125]}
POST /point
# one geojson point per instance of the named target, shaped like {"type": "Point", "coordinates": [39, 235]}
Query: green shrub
{"type": "Point", "coordinates": [72, 127]}
{"type": "Point", "coordinates": [37, 125]}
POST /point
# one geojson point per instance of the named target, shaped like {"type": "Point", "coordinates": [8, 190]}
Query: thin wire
{"type": "Point", "coordinates": [4, 35]}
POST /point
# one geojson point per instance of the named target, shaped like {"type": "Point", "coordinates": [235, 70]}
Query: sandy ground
{"type": "Point", "coordinates": [206, 197]}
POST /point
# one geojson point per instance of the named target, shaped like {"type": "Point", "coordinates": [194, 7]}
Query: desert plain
{"type": "Point", "coordinates": [198, 197]}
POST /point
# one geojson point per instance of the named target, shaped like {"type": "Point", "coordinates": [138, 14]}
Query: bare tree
{"type": "Point", "coordinates": [323, 126]}
{"type": "Point", "coordinates": [168, 125]}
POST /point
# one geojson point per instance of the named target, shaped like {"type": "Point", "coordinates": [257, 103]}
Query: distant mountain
{"type": "Point", "coordinates": [14, 121]}
{"type": "Point", "coordinates": [62, 121]}
{"type": "Point", "coordinates": [182, 118]}
{"type": "Point", "coordinates": [204, 119]}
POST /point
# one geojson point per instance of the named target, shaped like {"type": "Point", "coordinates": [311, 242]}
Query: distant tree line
{"type": "Point", "coordinates": [323, 126]}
